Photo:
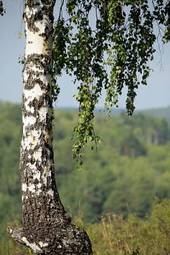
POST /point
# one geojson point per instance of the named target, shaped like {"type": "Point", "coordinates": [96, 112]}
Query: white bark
{"type": "Point", "coordinates": [46, 228]}
{"type": "Point", "coordinates": [36, 84]}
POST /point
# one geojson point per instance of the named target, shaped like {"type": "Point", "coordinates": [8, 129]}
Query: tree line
{"type": "Point", "coordinates": [126, 173]}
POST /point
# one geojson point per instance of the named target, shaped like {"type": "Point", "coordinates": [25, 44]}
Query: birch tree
{"type": "Point", "coordinates": [105, 45]}
{"type": "Point", "coordinates": [46, 227]}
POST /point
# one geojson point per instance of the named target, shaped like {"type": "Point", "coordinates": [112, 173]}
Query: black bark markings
{"type": "Point", "coordinates": [45, 221]}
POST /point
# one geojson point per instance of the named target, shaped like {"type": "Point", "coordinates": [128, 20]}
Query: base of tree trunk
{"type": "Point", "coordinates": [65, 239]}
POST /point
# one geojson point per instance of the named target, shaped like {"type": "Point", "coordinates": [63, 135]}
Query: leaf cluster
{"type": "Point", "coordinates": [1, 8]}
{"type": "Point", "coordinates": [106, 45]}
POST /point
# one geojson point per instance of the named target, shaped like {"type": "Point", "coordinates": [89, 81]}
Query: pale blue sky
{"type": "Point", "coordinates": [156, 94]}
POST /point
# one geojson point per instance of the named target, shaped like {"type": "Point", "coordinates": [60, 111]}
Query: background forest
{"type": "Point", "coordinates": [126, 180]}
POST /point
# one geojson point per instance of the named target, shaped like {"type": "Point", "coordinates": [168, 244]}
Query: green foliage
{"type": "Point", "coordinates": [125, 175]}
{"type": "Point", "coordinates": [1, 8]}
{"type": "Point", "coordinates": [105, 45]}
{"type": "Point", "coordinates": [133, 236]}
{"type": "Point", "coordinates": [128, 172]}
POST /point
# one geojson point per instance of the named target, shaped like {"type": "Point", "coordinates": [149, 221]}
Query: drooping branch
{"type": "Point", "coordinates": [106, 45]}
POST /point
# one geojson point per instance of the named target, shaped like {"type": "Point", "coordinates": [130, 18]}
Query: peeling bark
{"type": "Point", "coordinates": [46, 227]}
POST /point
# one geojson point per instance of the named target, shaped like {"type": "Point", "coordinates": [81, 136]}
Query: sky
{"type": "Point", "coordinates": [155, 94]}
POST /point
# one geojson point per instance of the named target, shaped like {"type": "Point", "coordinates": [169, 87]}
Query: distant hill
{"type": "Point", "coordinates": [158, 112]}
{"type": "Point", "coordinates": [161, 112]}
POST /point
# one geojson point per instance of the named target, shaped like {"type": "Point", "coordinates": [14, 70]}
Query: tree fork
{"type": "Point", "coordinates": [46, 227]}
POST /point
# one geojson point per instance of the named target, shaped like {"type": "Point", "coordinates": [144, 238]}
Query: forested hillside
{"type": "Point", "coordinates": [159, 112]}
{"type": "Point", "coordinates": [126, 174]}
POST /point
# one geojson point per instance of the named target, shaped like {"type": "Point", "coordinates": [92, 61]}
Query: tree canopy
{"type": "Point", "coordinates": [106, 45]}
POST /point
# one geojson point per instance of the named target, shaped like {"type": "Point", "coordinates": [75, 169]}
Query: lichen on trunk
{"type": "Point", "coordinates": [46, 227]}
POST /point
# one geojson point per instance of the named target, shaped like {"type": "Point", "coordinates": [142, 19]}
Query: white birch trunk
{"type": "Point", "coordinates": [46, 228]}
